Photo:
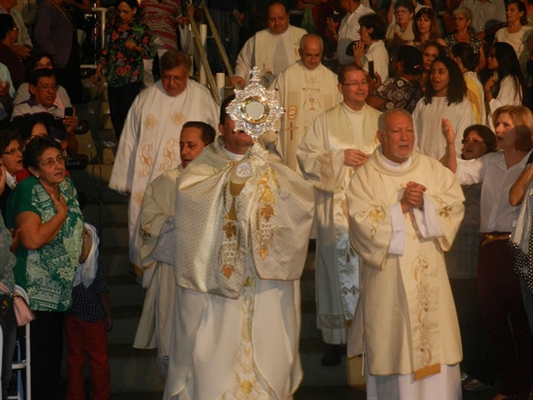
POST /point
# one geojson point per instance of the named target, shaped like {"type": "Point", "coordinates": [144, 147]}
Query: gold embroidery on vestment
{"type": "Point", "coordinates": [230, 230]}
{"type": "Point", "coordinates": [169, 154]}
{"type": "Point", "coordinates": [178, 118]}
{"type": "Point", "coordinates": [420, 268]}
{"type": "Point", "coordinates": [376, 216]}
{"type": "Point", "coordinates": [150, 122]}
{"type": "Point", "coordinates": [228, 270]}
{"type": "Point", "coordinates": [145, 160]}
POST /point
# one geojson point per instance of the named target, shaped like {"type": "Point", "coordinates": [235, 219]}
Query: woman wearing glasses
{"type": "Point", "coordinates": [11, 164]}
{"type": "Point", "coordinates": [499, 288]}
{"type": "Point", "coordinates": [44, 210]}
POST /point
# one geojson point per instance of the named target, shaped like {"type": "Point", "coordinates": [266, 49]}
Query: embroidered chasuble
{"type": "Point", "coordinates": [156, 230]}
{"type": "Point", "coordinates": [149, 145]}
{"type": "Point", "coordinates": [321, 159]}
{"type": "Point", "coordinates": [406, 312]}
{"type": "Point", "coordinates": [304, 94]}
{"type": "Point", "coordinates": [272, 54]}
{"type": "Point", "coordinates": [248, 222]}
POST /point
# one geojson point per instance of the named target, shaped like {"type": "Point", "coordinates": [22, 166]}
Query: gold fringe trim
{"type": "Point", "coordinates": [427, 371]}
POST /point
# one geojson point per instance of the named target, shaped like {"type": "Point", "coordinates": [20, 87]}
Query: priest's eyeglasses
{"type": "Point", "coordinates": [356, 84]}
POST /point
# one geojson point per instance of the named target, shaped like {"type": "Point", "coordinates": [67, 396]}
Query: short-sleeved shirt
{"type": "Point", "coordinates": [399, 93]}
{"type": "Point", "coordinates": [86, 303]}
{"type": "Point", "coordinates": [47, 274]}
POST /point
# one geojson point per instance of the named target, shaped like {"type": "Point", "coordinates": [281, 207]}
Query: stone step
{"type": "Point", "coordinates": [309, 329]}
{"type": "Point", "coordinates": [93, 181]}
{"type": "Point", "coordinates": [307, 284]}
{"type": "Point", "coordinates": [125, 321]}
{"type": "Point", "coordinates": [114, 235]}
{"type": "Point", "coordinates": [133, 370]}
{"type": "Point", "coordinates": [125, 291]}
{"type": "Point", "coordinates": [116, 260]}
{"type": "Point", "coordinates": [106, 213]}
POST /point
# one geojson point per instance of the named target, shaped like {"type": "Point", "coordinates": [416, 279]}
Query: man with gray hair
{"type": "Point", "coordinates": [404, 211]}
{"type": "Point", "coordinates": [305, 89]}
{"type": "Point", "coordinates": [149, 144]}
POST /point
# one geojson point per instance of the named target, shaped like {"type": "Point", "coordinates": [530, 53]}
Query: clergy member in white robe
{"type": "Point", "coordinates": [157, 237]}
{"type": "Point", "coordinates": [404, 211]}
{"type": "Point", "coordinates": [339, 141]}
{"type": "Point", "coordinates": [244, 221]}
{"type": "Point", "coordinates": [149, 144]}
{"type": "Point", "coordinates": [305, 90]}
{"type": "Point", "coordinates": [271, 50]}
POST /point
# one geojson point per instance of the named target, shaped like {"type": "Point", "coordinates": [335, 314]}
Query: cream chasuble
{"type": "Point", "coordinates": [157, 212]}
{"type": "Point", "coordinates": [248, 223]}
{"type": "Point", "coordinates": [475, 96]}
{"type": "Point", "coordinates": [272, 54]}
{"type": "Point", "coordinates": [321, 158]}
{"type": "Point", "coordinates": [304, 93]}
{"type": "Point", "coordinates": [406, 312]}
{"type": "Point", "coordinates": [149, 144]}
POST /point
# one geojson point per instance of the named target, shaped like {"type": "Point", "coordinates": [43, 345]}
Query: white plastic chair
{"type": "Point", "coordinates": [23, 363]}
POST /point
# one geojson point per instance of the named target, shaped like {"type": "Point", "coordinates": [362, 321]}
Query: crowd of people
{"type": "Point", "coordinates": [406, 126]}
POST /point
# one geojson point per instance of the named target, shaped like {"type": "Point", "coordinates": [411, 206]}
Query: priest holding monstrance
{"type": "Point", "coordinates": [242, 227]}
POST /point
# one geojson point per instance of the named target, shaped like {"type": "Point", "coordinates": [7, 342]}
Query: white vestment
{"type": "Point", "coordinates": [406, 314]}
{"type": "Point", "coordinates": [321, 158]}
{"type": "Point", "coordinates": [272, 54]}
{"type": "Point", "coordinates": [427, 121]}
{"type": "Point", "coordinates": [149, 144]}
{"type": "Point", "coordinates": [475, 96]}
{"type": "Point", "coordinates": [157, 215]}
{"type": "Point", "coordinates": [304, 94]}
{"type": "Point", "coordinates": [238, 213]}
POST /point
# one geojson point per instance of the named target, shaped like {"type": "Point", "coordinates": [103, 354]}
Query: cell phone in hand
{"type": "Point", "coordinates": [69, 111]}
{"type": "Point", "coordinates": [371, 69]}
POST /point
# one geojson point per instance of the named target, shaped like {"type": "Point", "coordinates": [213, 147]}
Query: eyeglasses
{"type": "Point", "coordinates": [474, 141]}
{"type": "Point", "coordinates": [401, 11]}
{"type": "Point", "coordinates": [46, 88]}
{"type": "Point", "coordinates": [51, 162]}
{"type": "Point", "coordinates": [12, 151]}
{"type": "Point", "coordinates": [356, 84]}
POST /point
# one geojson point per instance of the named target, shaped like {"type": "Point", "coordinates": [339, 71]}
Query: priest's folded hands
{"type": "Point", "coordinates": [413, 196]}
